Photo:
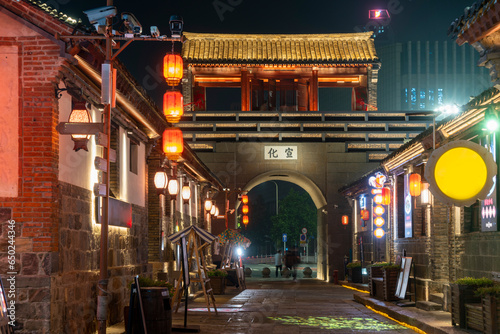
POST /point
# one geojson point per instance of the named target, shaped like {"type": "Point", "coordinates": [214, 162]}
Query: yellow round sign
{"type": "Point", "coordinates": [460, 173]}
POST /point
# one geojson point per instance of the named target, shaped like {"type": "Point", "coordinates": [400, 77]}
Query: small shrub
{"type": "Point", "coordinates": [351, 265]}
{"type": "Point", "coordinates": [476, 282]}
{"type": "Point", "coordinates": [377, 264]}
{"type": "Point", "coordinates": [490, 290]}
{"type": "Point", "coordinates": [146, 282]}
{"type": "Point", "coordinates": [217, 273]}
{"type": "Point", "coordinates": [391, 266]}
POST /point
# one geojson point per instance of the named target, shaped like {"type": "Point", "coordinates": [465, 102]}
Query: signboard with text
{"type": "Point", "coordinates": [489, 204]}
{"type": "Point", "coordinates": [280, 152]}
{"type": "Point", "coordinates": [407, 207]}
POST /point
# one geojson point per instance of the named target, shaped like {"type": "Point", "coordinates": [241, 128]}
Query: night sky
{"type": "Point", "coordinates": [410, 20]}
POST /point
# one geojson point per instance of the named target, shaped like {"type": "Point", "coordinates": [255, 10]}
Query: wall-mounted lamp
{"type": "Point", "coordinates": [173, 188]}
{"type": "Point", "coordinates": [425, 194]}
{"type": "Point", "coordinates": [415, 184]}
{"type": "Point", "coordinates": [186, 192]}
{"type": "Point", "coordinates": [80, 114]}
{"type": "Point", "coordinates": [161, 181]}
{"type": "Point", "coordinates": [208, 205]}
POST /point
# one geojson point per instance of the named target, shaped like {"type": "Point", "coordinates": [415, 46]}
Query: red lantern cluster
{"type": "Point", "coordinates": [365, 215]}
{"type": "Point", "coordinates": [245, 220]}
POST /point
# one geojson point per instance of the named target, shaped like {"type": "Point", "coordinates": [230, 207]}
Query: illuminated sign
{"type": "Point", "coordinates": [489, 204]}
{"type": "Point", "coordinates": [407, 207]}
{"type": "Point", "coordinates": [377, 181]}
{"type": "Point", "coordinates": [378, 14]}
{"type": "Point", "coordinates": [280, 152]}
{"type": "Point", "coordinates": [362, 202]}
{"type": "Point", "coordinates": [460, 172]}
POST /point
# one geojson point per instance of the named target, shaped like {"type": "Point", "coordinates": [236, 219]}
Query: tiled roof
{"type": "Point", "coordinates": [55, 13]}
{"type": "Point", "coordinates": [471, 15]}
{"type": "Point", "coordinates": [315, 49]}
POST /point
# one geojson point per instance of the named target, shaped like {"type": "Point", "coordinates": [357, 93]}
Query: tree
{"type": "Point", "coordinates": [296, 211]}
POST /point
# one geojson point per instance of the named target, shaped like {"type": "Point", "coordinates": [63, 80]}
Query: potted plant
{"type": "Point", "coordinates": [354, 270]}
{"type": "Point", "coordinates": [462, 292]}
{"type": "Point", "coordinates": [217, 281]}
{"type": "Point", "coordinates": [376, 278]}
{"type": "Point", "coordinates": [390, 273]}
{"type": "Point", "coordinates": [156, 302]}
{"type": "Point", "coordinates": [490, 297]}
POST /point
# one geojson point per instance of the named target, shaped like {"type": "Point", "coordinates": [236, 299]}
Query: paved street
{"type": "Point", "coordinates": [284, 306]}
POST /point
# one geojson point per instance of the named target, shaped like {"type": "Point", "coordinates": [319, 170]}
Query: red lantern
{"type": "Point", "coordinates": [365, 214]}
{"type": "Point", "coordinates": [172, 69]}
{"type": "Point", "coordinates": [244, 209]}
{"type": "Point", "coordinates": [345, 220]}
{"type": "Point", "coordinates": [244, 199]}
{"type": "Point", "coordinates": [173, 106]}
{"type": "Point", "coordinates": [415, 184]}
{"type": "Point", "coordinates": [245, 220]}
{"type": "Point", "coordinates": [173, 143]}
{"type": "Point", "coordinates": [386, 196]}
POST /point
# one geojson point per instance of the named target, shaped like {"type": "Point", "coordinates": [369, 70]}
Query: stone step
{"type": "Point", "coordinates": [429, 306]}
{"type": "Point", "coordinates": [437, 298]}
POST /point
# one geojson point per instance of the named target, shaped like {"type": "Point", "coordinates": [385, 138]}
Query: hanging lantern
{"type": "Point", "coordinates": [379, 221]}
{"type": "Point", "coordinates": [245, 220]}
{"type": "Point", "coordinates": [173, 188]}
{"type": "Point", "coordinates": [212, 210]}
{"type": "Point", "coordinates": [244, 199]}
{"type": "Point", "coordinates": [216, 213]}
{"type": "Point", "coordinates": [379, 210]}
{"type": "Point", "coordinates": [208, 205]}
{"type": "Point", "coordinates": [415, 184]}
{"type": "Point", "coordinates": [345, 220]}
{"type": "Point", "coordinates": [186, 193]}
{"type": "Point", "coordinates": [172, 69]}
{"type": "Point", "coordinates": [379, 233]}
{"type": "Point", "coordinates": [244, 209]}
{"type": "Point", "coordinates": [173, 143]}
{"type": "Point", "coordinates": [386, 196]}
{"type": "Point", "coordinates": [80, 114]}
{"type": "Point", "coordinates": [161, 181]}
{"type": "Point", "coordinates": [173, 106]}
{"type": "Point", "coordinates": [365, 214]}
{"type": "Point", "coordinates": [378, 199]}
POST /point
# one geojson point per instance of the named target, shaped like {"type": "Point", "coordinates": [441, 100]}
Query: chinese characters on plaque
{"type": "Point", "coordinates": [280, 152]}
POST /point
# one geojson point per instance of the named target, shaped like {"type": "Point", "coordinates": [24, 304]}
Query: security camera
{"type": "Point", "coordinates": [98, 16]}
{"type": "Point", "coordinates": [155, 32]}
{"type": "Point", "coordinates": [176, 26]}
{"type": "Point", "coordinates": [131, 23]}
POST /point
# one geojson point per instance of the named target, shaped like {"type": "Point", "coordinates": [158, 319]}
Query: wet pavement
{"type": "Point", "coordinates": [280, 305]}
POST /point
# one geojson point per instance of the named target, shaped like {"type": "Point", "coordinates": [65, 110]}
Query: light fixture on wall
{"type": "Point", "coordinates": [212, 209]}
{"type": "Point", "coordinates": [345, 220]}
{"type": "Point", "coordinates": [379, 233]}
{"type": "Point", "coordinates": [161, 181]}
{"type": "Point", "coordinates": [386, 196]}
{"type": "Point", "coordinates": [173, 188]}
{"type": "Point", "coordinates": [425, 194]}
{"type": "Point", "coordinates": [186, 192]}
{"type": "Point", "coordinates": [208, 205]}
{"type": "Point", "coordinates": [80, 114]}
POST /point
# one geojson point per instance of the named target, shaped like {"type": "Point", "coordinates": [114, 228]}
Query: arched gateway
{"type": "Point", "coordinates": [279, 132]}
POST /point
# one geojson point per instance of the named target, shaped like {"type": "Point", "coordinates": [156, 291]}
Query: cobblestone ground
{"type": "Point", "coordinates": [283, 306]}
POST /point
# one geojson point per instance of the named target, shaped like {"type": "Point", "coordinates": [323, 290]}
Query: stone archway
{"type": "Point", "coordinates": [319, 201]}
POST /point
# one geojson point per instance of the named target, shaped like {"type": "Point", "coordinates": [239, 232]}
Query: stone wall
{"type": "Point", "coordinates": [73, 287]}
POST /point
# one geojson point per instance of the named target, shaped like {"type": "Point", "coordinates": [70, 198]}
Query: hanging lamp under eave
{"type": "Point", "coordinates": [172, 69]}
{"type": "Point", "coordinates": [173, 143]}
{"type": "Point", "coordinates": [173, 106]}
{"type": "Point", "coordinates": [415, 184]}
{"type": "Point", "coordinates": [80, 114]}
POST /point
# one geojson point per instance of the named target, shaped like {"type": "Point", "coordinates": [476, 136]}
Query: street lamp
{"type": "Point", "coordinates": [186, 192]}
{"type": "Point", "coordinates": [173, 188]}
{"type": "Point", "coordinates": [161, 181]}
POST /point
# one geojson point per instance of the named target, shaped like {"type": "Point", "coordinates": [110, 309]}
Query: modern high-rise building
{"type": "Point", "coordinates": [426, 75]}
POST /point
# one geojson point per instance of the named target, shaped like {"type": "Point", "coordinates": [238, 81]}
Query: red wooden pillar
{"type": "Point", "coordinates": [313, 98]}
{"type": "Point", "coordinates": [245, 90]}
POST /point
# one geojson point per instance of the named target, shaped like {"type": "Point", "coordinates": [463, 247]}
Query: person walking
{"type": "Point", "coordinates": [291, 260]}
{"type": "Point", "coordinates": [278, 261]}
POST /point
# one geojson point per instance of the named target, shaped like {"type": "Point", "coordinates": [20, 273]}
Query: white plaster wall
{"type": "Point", "coordinates": [9, 121]}
{"type": "Point", "coordinates": [132, 186]}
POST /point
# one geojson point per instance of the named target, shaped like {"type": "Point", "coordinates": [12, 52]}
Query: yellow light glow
{"type": "Point", "coordinates": [460, 173]}
{"type": "Point", "coordinates": [379, 233]}
{"type": "Point", "coordinates": [379, 221]}
{"type": "Point", "coordinates": [378, 199]}
{"type": "Point", "coordinates": [379, 210]}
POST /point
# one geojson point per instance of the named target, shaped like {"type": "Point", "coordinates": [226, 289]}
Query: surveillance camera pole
{"type": "Point", "coordinates": [102, 298]}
